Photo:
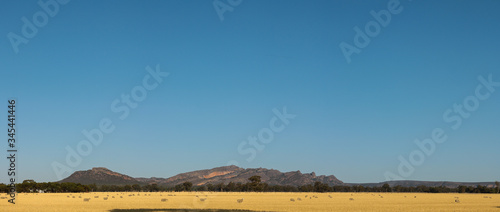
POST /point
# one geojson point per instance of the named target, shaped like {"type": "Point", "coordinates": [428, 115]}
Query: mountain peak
{"type": "Point", "coordinates": [100, 169]}
{"type": "Point", "coordinates": [101, 176]}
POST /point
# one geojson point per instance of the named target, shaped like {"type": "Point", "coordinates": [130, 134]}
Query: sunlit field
{"type": "Point", "coordinates": [145, 201]}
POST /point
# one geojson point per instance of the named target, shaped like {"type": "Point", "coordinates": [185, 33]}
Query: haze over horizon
{"type": "Point", "coordinates": [228, 80]}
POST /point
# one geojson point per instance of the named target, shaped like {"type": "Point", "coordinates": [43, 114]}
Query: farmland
{"type": "Point", "coordinates": [251, 201]}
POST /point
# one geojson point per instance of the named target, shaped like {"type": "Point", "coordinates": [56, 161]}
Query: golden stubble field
{"type": "Point", "coordinates": [107, 201]}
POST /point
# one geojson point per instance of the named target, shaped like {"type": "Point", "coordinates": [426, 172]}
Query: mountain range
{"type": "Point", "coordinates": [226, 174]}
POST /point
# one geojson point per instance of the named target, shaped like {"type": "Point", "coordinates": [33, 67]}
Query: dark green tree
{"type": "Point", "coordinates": [93, 187]}
{"type": "Point", "coordinates": [255, 183]}
{"type": "Point", "coordinates": [187, 186]}
{"type": "Point", "coordinates": [320, 187]}
{"type": "Point", "coordinates": [386, 188]}
{"type": "Point", "coordinates": [210, 187]}
{"type": "Point", "coordinates": [461, 189]}
{"type": "Point", "coordinates": [231, 186]}
{"type": "Point", "coordinates": [136, 187]}
{"type": "Point", "coordinates": [179, 187]}
{"type": "Point", "coordinates": [155, 187]}
{"type": "Point", "coordinates": [255, 179]}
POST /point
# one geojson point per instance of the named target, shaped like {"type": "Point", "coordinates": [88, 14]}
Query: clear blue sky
{"type": "Point", "coordinates": [353, 119]}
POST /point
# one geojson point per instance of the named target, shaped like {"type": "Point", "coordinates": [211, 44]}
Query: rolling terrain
{"type": "Point", "coordinates": [226, 174]}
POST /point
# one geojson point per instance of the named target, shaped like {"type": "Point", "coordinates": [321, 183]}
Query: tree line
{"type": "Point", "coordinates": [255, 185]}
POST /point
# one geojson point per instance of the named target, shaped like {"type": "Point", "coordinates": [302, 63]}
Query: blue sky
{"type": "Point", "coordinates": [226, 77]}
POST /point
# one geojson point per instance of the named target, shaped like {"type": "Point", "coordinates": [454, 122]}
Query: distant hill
{"type": "Point", "coordinates": [414, 183]}
{"type": "Point", "coordinates": [226, 174]}
{"type": "Point", "coordinates": [100, 176]}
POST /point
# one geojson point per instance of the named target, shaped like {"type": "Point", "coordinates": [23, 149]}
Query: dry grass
{"type": "Point", "coordinates": [134, 201]}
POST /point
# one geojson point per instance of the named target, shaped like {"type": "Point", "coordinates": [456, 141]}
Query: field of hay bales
{"type": "Point", "coordinates": [232, 201]}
